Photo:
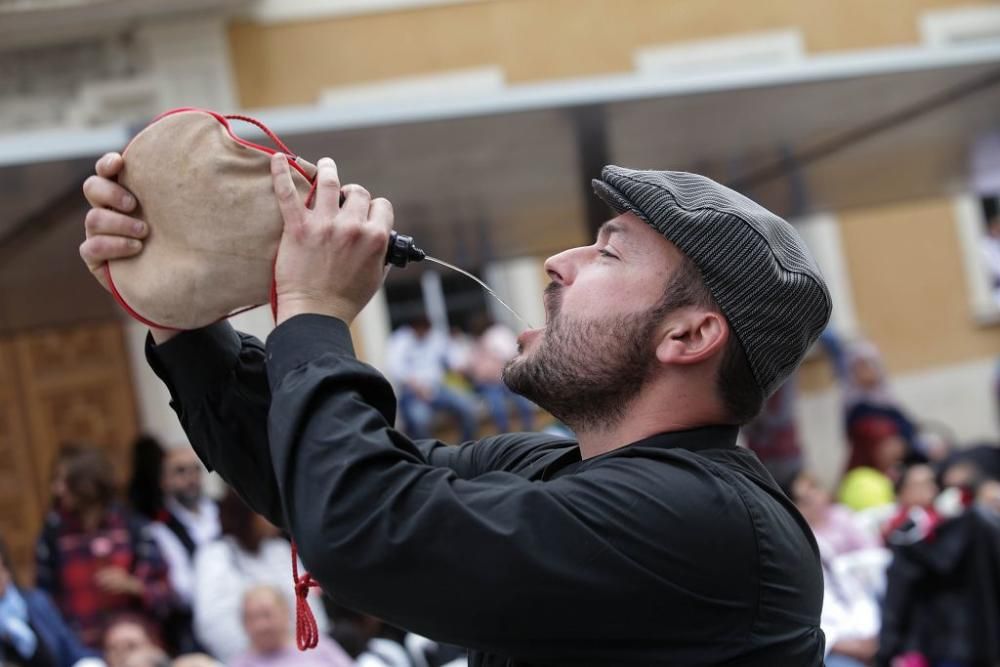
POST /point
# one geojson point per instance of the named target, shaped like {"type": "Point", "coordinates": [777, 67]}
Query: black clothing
{"type": "Point", "coordinates": [177, 527]}
{"type": "Point", "coordinates": [676, 550]}
{"type": "Point", "coordinates": [943, 594]}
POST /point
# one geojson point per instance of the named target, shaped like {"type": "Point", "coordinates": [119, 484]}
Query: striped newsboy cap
{"type": "Point", "coordinates": [754, 263]}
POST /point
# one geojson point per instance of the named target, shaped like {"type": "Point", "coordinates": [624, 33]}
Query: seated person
{"type": "Point", "coordinates": [416, 361]}
{"type": "Point", "coordinates": [988, 496]}
{"type": "Point", "coordinates": [250, 552]}
{"type": "Point", "coordinates": [495, 345]}
{"type": "Point", "coordinates": [916, 516]}
{"type": "Point", "coordinates": [95, 557]}
{"type": "Point", "coordinates": [32, 632]}
{"type": "Point", "coordinates": [831, 522]}
{"type": "Point", "coordinates": [876, 458]}
{"type": "Point", "coordinates": [369, 641]}
{"type": "Point", "coordinates": [267, 624]}
{"type": "Point", "coordinates": [129, 641]}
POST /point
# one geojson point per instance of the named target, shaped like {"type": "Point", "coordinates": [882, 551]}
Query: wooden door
{"type": "Point", "coordinates": [20, 511]}
{"type": "Point", "coordinates": [70, 384]}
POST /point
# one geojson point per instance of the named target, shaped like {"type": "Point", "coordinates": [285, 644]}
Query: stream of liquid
{"type": "Point", "coordinates": [486, 287]}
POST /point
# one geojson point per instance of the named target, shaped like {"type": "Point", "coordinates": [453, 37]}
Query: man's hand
{"type": "Point", "coordinates": [111, 232]}
{"type": "Point", "coordinates": [331, 259]}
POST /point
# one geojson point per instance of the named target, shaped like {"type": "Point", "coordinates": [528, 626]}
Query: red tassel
{"type": "Point", "coordinates": [306, 630]}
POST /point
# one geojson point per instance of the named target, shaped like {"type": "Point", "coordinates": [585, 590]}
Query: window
{"type": "Point", "coordinates": [972, 213]}
{"type": "Point", "coordinates": [967, 25]}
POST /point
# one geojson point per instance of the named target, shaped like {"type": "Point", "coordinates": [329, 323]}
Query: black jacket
{"type": "Point", "coordinates": [942, 594]}
{"type": "Point", "coordinates": [675, 550]}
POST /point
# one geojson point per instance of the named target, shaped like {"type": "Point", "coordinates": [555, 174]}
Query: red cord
{"type": "Point", "coordinates": [306, 630]}
{"type": "Point", "coordinates": [265, 129]}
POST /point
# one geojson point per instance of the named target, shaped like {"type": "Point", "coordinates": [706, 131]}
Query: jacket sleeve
{"type": "Point", "coordinates": [219, 389]}
{"type": "Point", "coordinates": [488, 563]}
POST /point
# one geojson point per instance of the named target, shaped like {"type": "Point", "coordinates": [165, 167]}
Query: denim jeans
{"type": "Point", "coordinates": [498, 397]}
{"type": "Point", "coordinates": [419, 413]}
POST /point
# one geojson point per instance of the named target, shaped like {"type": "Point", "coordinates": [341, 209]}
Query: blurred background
{"type": "Point", "coordinates": [874, 127]}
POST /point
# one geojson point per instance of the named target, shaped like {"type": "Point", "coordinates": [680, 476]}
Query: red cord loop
{"type": "Point", "coordinates": [306, 629]}
{"type": "Point", "coordinates": [265, 129]}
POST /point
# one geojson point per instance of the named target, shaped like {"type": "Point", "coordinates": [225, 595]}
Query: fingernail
{"type": "Point", "coordinates": [128, 201]}
{"type": "Point", "coordinates": [134, 244]}
{"type": "Point", "coordinates": [138, 227]}
{"type": "Point", "coordinates": [106, 161]}
{"type": "Point", "coordinates": [325, 162]}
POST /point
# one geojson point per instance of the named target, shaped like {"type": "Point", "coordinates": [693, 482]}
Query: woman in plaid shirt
{"type": "Point", "coordinates": [94, 557]}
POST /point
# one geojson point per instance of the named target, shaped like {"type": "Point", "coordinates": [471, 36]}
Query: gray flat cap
{"type": "Point", "coordinates": [754, 263]}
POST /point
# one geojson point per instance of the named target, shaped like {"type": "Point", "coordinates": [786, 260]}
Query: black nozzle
{"type": "Point", "coordinates": [401, 250]}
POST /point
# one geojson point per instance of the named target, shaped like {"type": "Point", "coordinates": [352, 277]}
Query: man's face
{"type": "Point", "coordinates": [265, 619]}
{"type": "Point", "coordinates": [182, 476]}
{"type": "Point", "coordinates": [598, 345]}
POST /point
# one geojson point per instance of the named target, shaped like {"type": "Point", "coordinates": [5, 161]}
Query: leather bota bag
{"type": "Point", "coordinates": [214, 223]}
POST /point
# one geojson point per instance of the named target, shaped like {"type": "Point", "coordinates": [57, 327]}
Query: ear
{"type": "Point", "coordinates": [692, 335]}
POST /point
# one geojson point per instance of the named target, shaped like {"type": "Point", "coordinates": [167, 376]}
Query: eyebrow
{"type": "Point", "coordinates": [610, 227]}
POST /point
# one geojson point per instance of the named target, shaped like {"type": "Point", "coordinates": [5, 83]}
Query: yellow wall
{"type": "Point", "coordinates": [906, 269]}
{"type": "Point", "coordinates": [533, 40]}
{"type": "Point", "coordinates": [904, 260]}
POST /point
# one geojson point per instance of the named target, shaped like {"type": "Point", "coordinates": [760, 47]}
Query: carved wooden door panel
{"type": "Point", "coordinates": [20, 509]}
{"type": "Point", "coordinates": [69, 384]}
{"type": "Point", "coordinates": [77, 388]}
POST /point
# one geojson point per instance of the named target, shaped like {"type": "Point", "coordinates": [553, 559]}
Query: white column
{"type": "Point", "coordinates": [373, 328]}
{"type": "Point", "coordinates": [434, 303]}
{"type": "Point", "coordinates": [151, 396]}
{"type": "Point", "coordinates": [821, 234]}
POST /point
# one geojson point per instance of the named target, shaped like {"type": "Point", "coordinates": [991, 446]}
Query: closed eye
{"type": "Point", "coordinates": [604, 253]}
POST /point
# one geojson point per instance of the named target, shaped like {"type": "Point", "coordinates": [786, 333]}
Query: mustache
{"type": "Point", "coordinates": [552, 298]}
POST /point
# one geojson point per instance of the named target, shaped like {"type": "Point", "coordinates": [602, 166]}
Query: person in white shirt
{"type": "Point", "coordinates": [416, 360]}
{"type": "Point", "coordinates": [188, 519]}
{"type": "Point", "coordinates": [250, 552]}
{"type": "Point", "coordinates": [496, 345]}
{"type": "Point", "coordinates": [851, 617]}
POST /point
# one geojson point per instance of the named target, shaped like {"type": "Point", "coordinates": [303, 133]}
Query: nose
{"type": "Point", "coordinates": [562, 267]}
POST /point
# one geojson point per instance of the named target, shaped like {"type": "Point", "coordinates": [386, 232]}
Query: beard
{"type": "Point", "coordinates": [189, 498]}
{"type": "Point", "coordinates": [587, 372]}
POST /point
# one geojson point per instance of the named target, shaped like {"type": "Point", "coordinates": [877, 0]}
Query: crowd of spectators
{"type": "Point", "coordinates": [455, 374]}
{"type": "Point", "coordinates": [158, 573]}
{"type": "Point", "coordinates": [909, 536]}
